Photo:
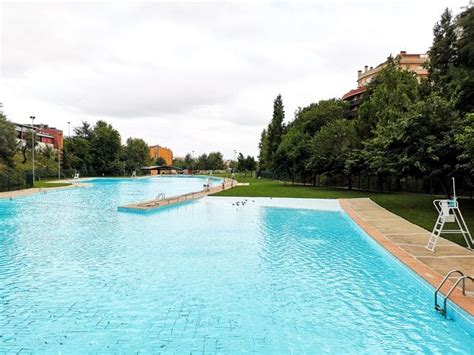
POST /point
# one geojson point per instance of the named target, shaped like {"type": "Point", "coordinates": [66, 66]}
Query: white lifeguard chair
{"type": "Point", "coordinates": [449, 212]}
{"type": "Point", "coordinates": [76, 175]}
{"type": "Point", "coordinates": [134, 174]}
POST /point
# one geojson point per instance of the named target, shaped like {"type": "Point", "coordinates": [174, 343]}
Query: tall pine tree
{"type": "Point", "coordinates": [275, 132]}
{"type": "Point", "coordinates": [443, 56]}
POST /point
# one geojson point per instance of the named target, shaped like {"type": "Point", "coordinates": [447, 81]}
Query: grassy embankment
{"type": "Point", "coordinates": [417, 208]}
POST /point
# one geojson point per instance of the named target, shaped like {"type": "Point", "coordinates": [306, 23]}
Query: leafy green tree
{"type": "Point", "coordinates": [160, 161]}
{"type": "Point", "coordinates": [77, 154]}
{"type": "Point", "coordinates": [465, 70]}
{"type": "Point", "coordinates": [26, 147]}
{"type": "Point", "coordinates": [313, 117]}
{"type": "Point", "coordinates": [388, 96]}
{"type": "Point", "coordinates": [331, 148]}
{"type": "Point", "coordinates": [294, 152]}
{"type": "Point", "coordinates": [465, 138]}
{"type": "Point", "coordinates": [136, 154]}
{"type": "Point", "coordinates": [49, 153]}
{"type": "Point", "coordinates": [105, 149]}
{"type": "Point", "coordinates": [84, 131]}
{"type": "Point", "coordinates": [189, 161]}
{"type": "Point", "coordinates": [201, 163]}
{"type": "Point", "coordinates": [241, 162]}
{"type": "Point", "coordinates": [245, 164]}
{"type": "Point", "coordinates": [263, 151]}
{"type": "Point", "coordinates": [179, 162]}
{"type": "Point", "coordinates": [8, 144]}
{"type": "Point", "coordinates": [215, 161]}
{"type": "Point", "coordinates": [443, 55]}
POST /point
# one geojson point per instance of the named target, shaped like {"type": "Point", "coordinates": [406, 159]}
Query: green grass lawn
{"type": "Point", "coordinates": [43, 183]}
{"type": "Point", "coordinates": [416, 208]}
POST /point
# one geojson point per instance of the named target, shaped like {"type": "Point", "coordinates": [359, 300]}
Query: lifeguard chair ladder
{"type": "Point", "coordinates": [449, 212]}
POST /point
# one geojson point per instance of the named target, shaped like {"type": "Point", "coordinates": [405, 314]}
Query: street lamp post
{"type": "Point", "coordinates": [235, 161]}
{"type": "Point", "coordinates": [59, 162]}
{"type": "Point", "coordinates": [69, 128]}
{"type": "Point", "coordinates": [33, 146]}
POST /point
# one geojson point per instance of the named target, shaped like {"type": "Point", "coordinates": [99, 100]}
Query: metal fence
{"type": "Point", "coordinates": [364, 182]}
{"type": "Point", "coordinates": [11, 180]}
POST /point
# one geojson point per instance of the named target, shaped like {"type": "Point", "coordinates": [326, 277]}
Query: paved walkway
{"type": "Point", "coordinates": [407, 241]}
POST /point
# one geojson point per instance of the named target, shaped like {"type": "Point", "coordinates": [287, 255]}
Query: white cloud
{"type": "Point", "coordinates": [195, 76]}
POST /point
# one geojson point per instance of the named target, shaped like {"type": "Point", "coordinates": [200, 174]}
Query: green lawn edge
{"type": "Point", "coordinates": [416, 208]}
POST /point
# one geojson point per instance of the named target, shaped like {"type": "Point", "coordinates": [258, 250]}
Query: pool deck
{"type": "Point", "coordinates": [407, 241]}
{"type": "Point", "coordinates": [152, 205]}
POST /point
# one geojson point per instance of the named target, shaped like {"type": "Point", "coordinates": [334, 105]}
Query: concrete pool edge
{"type": "Point", "coordinates": [429, 275]}
{"type": "Point", "coordinates": [153, 205]}
{"type": "Point", "coordinates": [38, 190]}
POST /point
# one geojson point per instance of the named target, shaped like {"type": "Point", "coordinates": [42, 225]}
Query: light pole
{"type": "Point", "coordinates": [235, 161]}
{"type": "Point", "coordinates": [69, 128]}
{"type": "Point", "coordinates": [59, 162]}
{"type": "Point", "coordinates": [33, 146]}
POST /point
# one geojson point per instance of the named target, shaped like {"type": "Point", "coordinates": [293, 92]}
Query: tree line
{"type": "Point", "coordinates": [404, 126]}
{"type": "Point", "coordinates": [96, 150]}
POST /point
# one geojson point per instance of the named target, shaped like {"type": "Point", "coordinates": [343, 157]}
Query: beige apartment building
{"type": "Point", "coordinates": [413, 62]}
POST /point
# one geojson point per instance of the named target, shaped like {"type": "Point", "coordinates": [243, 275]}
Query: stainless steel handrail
{"type": "Point", "coordinates": [161, 196]}
{"type": "Point", "coordinates": [437, 307]}
{"type": "Point", "coordinates": [463, 279]}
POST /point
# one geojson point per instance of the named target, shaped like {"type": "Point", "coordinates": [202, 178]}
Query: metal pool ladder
{"type": "Point", "coordinates": [462, 279]}
{"type": "Point", "coordinates": [161, 196]}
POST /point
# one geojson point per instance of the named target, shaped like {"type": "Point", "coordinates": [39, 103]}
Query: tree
{"type": "Point", "coordinates": [275, 132]}
{"type": "Point", "coordinates": [8, 145]}
{"type": "Point", "coordinates": [294, 152]}
{"type": "Point", "coordinates": [246, 163]}
{"type": "Point", "coordinates": [465, 139]}
{"type": "Point", "coordinates": [389, 97]}
{"type": "Point", "coordinates": [136, 154]}
{"type": "Point", "coordinates": [77, 154]}
{"type": "Point", "coordinates": [215, 161]}
{"type": "Point", "coordinates": [105, 149]}
{"type": "Point", "coordinates": [189, 161]}
{"type": "Point", "coordinates": [331, 148]}
{"type": "Point", "coordinates": [465, 70]}
{"type": "Point", "coordinates": [241, 166]}
{"type": "Point", "coordinates": [160, 161]}
{"type": "Point", "coordinates": [84, 131]}
{"type": "Point", "coordinates": [311, 118]}
{"type": "Point", "coordinates": [30, 141]}
{"type": "Point", "coordinates": [443, 55]}
{"type": "Point", "coordinates": [201, 163]}
{"type": "Point", "coordinates": [263, 150]}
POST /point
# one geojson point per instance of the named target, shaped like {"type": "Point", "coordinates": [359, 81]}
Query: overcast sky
{"type": "Point", "coordinates": [195, 75]}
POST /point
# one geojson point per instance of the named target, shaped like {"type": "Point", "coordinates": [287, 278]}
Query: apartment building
{"type": "Point", "coordinates": [407, 61]}
{"type": "Point", "coordinates": [157, 151]}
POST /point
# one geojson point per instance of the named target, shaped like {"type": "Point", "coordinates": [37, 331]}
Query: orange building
{"type": "Point", "coordinates": [162, 152]}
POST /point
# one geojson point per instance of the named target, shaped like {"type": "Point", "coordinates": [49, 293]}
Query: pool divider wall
{"type": "Point", "coordinates": [153, 205]}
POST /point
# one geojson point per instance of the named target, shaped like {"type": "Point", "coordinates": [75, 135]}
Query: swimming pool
{"type": "Point", "coordinates": [269, 276]}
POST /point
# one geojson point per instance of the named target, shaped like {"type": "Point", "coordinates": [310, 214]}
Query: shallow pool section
{"type": "Point", "coordinates": [210, 276]}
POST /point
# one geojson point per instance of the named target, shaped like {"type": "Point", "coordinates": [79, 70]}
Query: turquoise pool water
{"type": "Point", "coordinates": [207, 277]}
